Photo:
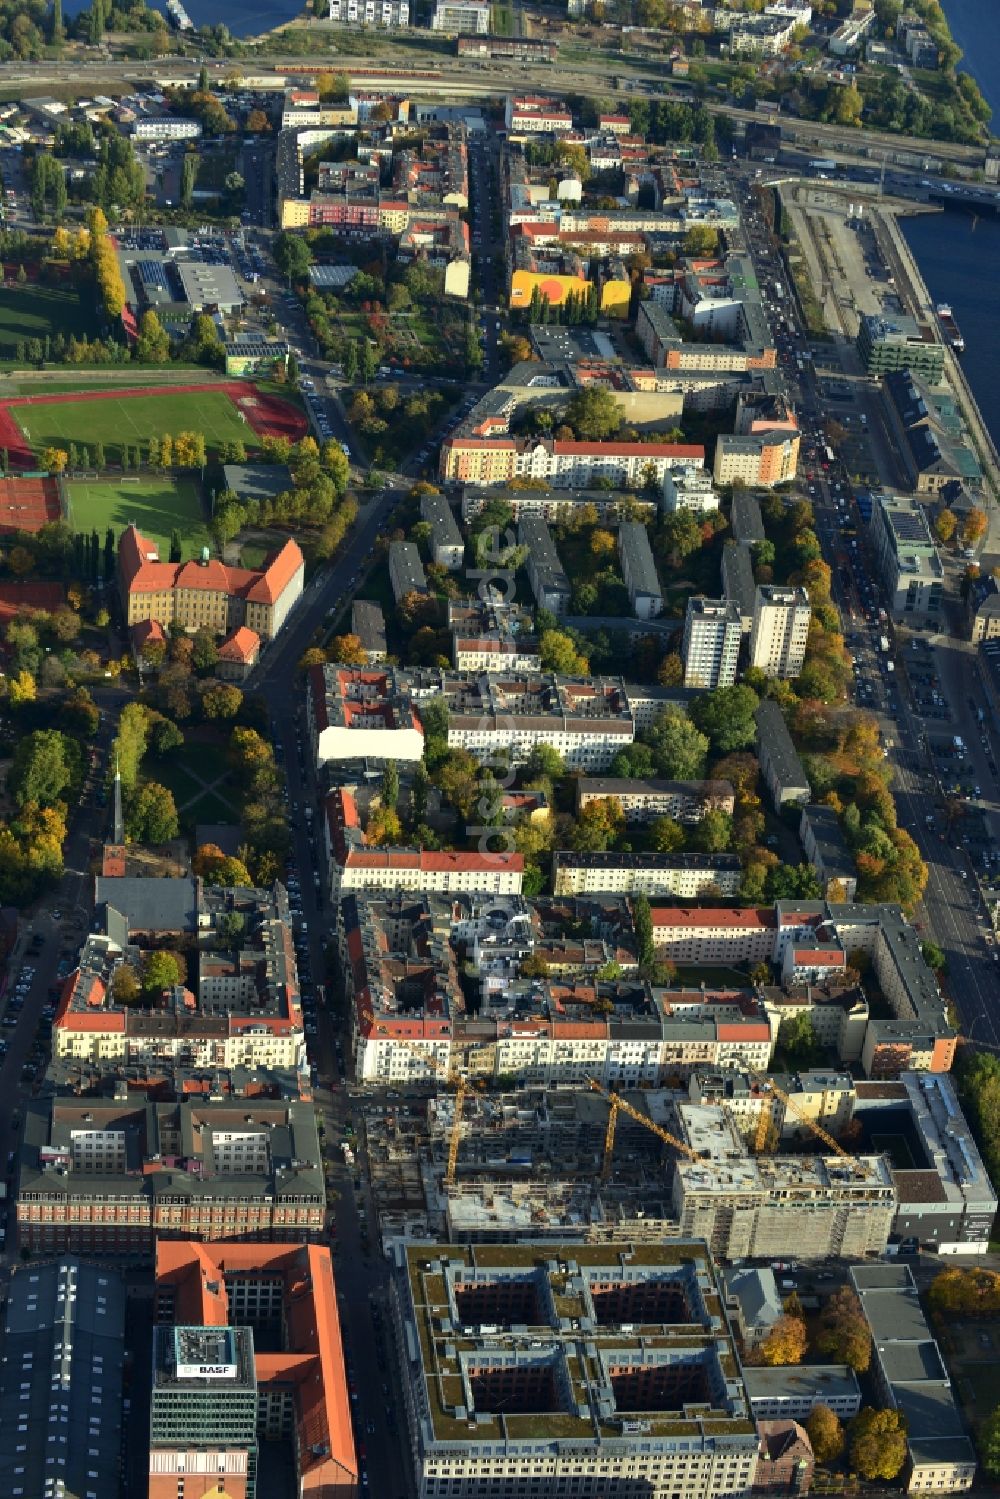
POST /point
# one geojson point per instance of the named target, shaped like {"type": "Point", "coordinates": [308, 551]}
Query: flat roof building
{"type": "Point", "coordinates": [911, 1377]}
{"type": "Point", "coordinates": [828, 851]}
{"type": "Point", "coordinates": [794, 1392]}
{"type": "Point", "coordinates": [899, 343]}
{"type": "Point", "coordinates": [907, 558]}
{"type": "Point", "coordinates": [710, 649]}
{"type": "Point", "coordinates": [571, 1365]}
{"type": "Point", "coordinates": [779, 633]}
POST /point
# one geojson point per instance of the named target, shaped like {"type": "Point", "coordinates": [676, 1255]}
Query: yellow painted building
{"type": "Point", "coordinates": [556, 288]}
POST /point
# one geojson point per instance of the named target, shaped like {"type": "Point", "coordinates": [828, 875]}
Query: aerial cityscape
{"type": "Point", "coordinates": [499, 711]}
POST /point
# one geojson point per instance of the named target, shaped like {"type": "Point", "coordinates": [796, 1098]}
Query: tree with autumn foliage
{"type": "Point", "coordinates": [974, 526]}
{"type": "Point", "coordinates": [843, 1332]}
{"type": "Point", "coordinates": [877, 1443]}
{"type": "Point", "coordinates": [217, 868]}
{"type": "Point", "coordinates": [347, 650]}
{"type": "Point", "coordinates": [826, 1434]}
{"type": "Point", "coordinates": [786, 1343]}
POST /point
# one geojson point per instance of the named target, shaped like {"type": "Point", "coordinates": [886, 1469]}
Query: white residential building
{"type": "Point", "coordinates": [683, 876]}
{"type": "Point", "coordinates": [392, 13]}
{"type": "Point", "coordinates": [780, 630]}
{"type": "Point", "coordinates": [165, 128]}
{"type": "Point", "coordinates": [462, 17]}
{"type": "Point", "coordinates": [689, 489]}
{"type": "Point", "coordinates": [711, 646]}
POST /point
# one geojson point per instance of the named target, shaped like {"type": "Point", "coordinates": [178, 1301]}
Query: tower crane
{"type": "Point", "coordinates": [450, 1075]}
{"type": "Point", "coordinates": [619, 1104]}
{"type": "Point", "coordinates": [858, 1168]}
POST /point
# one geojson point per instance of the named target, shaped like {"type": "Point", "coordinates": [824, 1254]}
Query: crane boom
{"type": "Point", "coordinates": [450, 1076]}
{"type": "Point", "coordinates": [856, 1166]}
{"type": "Point", "coordinates": [617, 1102]}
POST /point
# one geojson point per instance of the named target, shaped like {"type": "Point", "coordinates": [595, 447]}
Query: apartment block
{"type": "Point", "coordinates": [780, 630]}
{"type": "Point", "coordinates": [781, 767]}
{"type": "Point", "coordinates": [899, 343]}
{"type": "Point", "coordinates": [684, 876]}
{"type": "Point", "coordinates": [358, 714]}
{"type": "Point", "coordinates": [760, 460]}
{"type": "Point", "coordinates": [503, 716]}
{"type": "Point", "coordinates": [642, 801]}
{"type": "Point", "coordinates": [240, 1007]}
{"type": "Point", "coordinates": [522, 1396]}
{"type": "Point", "coordinates": [639, 570]}
{"type": "Point", "coordinates": [406, 571]}
{"type": "Point", "coordinates": [108, 1177]}
{"type": "Point", "coordinates": [549, 583]}
{"type": "Point", "coordinates": [447, 546]}
{"type": "Point", "coordinates": [711, 643]}
{"type": "Point", "coordinates": [531, 114]}
{"type": "Point", "coordinates": [487, 635]}
{"type": "Point", "coordinates": [738, 585]}
{"type": "Point", "coordinates": [714, 935]}
{"type": "Point", "coordinates": [689, 489]}
{"type": "Point", "coordinates": [368, 624]}
{"type": "Point", "coordinates": [755, 1207]}
{"type": "Point", "coordinates": [561, 462]}
{"type": "Point", "coordinates": [461, 17]}
{"type": "Point", "coordinates": [389, 13]}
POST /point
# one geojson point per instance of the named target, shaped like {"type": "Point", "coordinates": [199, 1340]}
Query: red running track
{"type": "Point", "coordinates": [267, 415]}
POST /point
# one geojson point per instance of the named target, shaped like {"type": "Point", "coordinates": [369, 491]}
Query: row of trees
{"type": "Point", "coordinates": [104, 261]}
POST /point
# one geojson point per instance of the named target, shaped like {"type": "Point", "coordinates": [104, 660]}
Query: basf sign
{"type": "Point", "coordinates": [206, 1371]}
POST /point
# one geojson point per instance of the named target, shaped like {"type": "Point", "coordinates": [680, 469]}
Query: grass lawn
{"type": "Point", "coordinates": [502, 20]}
{"type": "Point", "coordinates": [32, 311]}
{"type": "Point", "coordinates": [157, 505]}
{"type": "Point", "coordinates": [197, 774]}
{"type": "Point", "coordinates": [132, 419]}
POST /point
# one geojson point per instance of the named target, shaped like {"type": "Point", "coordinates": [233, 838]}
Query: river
{"type": "Point", "coordinates": [243, 17]}
{"type": "Point", "coordinates": [957, 254]}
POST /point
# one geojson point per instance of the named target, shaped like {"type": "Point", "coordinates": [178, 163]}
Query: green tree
{"type": "Point", "coordinates": [713, 834]}
{"type": "Point", "coordinates": [560, 654]}
{"type": "Point", "coordinates": [877, 1443]}
{"type": "Point", "coordinates": [544, 761]}
{"type": "Point", "coordinates": [593, 413]}
{"type": "Point", "coordinates": [679, 537]}
{"type": "Point", "coordinates": [160, 970]}
{"type": "Point", "coordinates": [989, 1444]}
{"type": "Point", "coordinates": [726, 716]}
{"type": "Point", "coordinates": [642, 926]}
{"type": "Point", "coordinates": [41, 769]}
{"type": "Point", "coordinates": [189, 173]}
{"type": "Point", "coordinates": [679, 748]}
{"type": "Point", "coordinates": [125, 987]}
{"type": "Point", "coordinates": [666, 835]}
{"type": "Point", "coordinates": [389, 791]}
{"type": "Point", "coordinates": [151, 815]}
{"type": "Point", "coordinates": [130, 745]}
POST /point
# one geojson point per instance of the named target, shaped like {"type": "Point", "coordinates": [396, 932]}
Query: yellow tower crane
{"type": "Point", "coordinates": [455, 1079]}
{"type": "Point", "coordinates": [856, 1166]}
{"type": "Point", "coordinates": [619, 1104]}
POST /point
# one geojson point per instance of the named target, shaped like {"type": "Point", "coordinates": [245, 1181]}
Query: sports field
{"type": "Point", "coordinates": [157, 505]}
{"type": "Point", "coordinates": [132, 419]}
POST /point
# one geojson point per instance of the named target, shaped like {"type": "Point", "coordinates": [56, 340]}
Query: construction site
{"type": "Point", "coordinates": [650, 1165]}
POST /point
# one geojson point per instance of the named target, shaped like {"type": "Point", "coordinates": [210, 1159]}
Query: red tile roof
{"type": "Point", "coordinates": [143, 572]}
{"type": "Point", "coordinates": [241, 646]}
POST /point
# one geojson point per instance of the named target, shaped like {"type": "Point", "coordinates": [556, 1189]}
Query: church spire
{"type": "Point", "coordinates": [118, 820]}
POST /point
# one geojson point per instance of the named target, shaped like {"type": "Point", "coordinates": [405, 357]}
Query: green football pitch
{"type": "Point", "coordinates": [132, 419]}
{"type": "Point", "coordinates": [157, 505]}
